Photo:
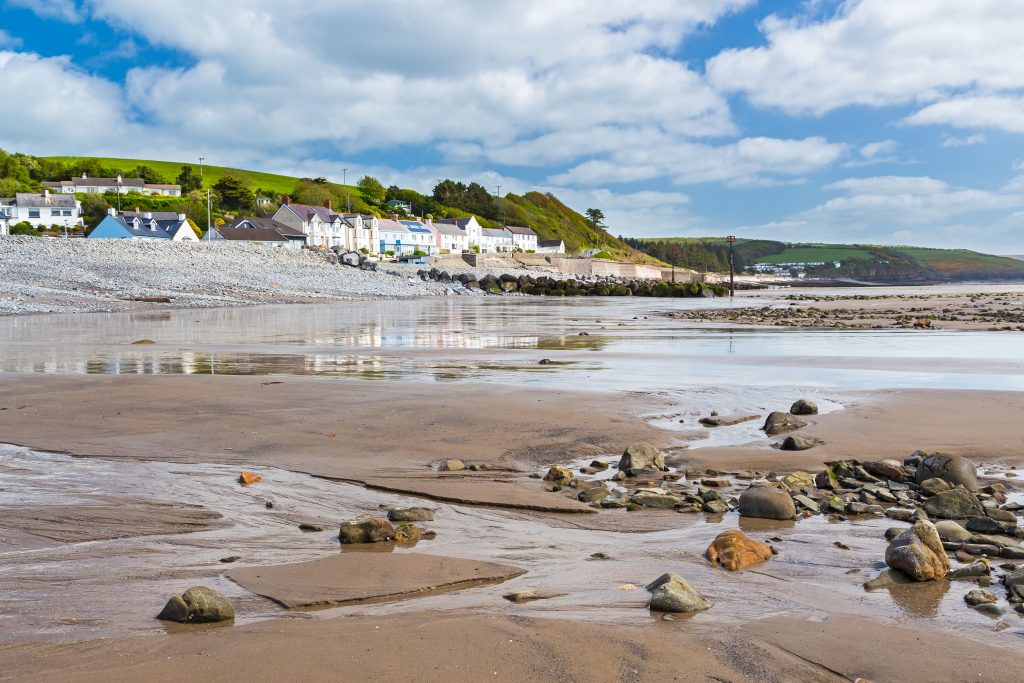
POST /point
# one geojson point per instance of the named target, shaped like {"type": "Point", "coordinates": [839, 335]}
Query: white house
{"type": "Point", "coordinates": [394, 237]}
{"type": "Point", "coordinates": [470, 226]}
{"type": "Point", "coordinates": [494, 241]}
{"type": "Point", "coordinates": [550, 247]}
{"type": "Point", "coordinates": [41, 210]}
{"type": "Point", "coordinates": [118, 184]}
{"type": "Point", "coordinates": [523, 238]}
{"type": "Point", "coordinates": [362, 233]}
{"type": "Point", "coordinates": [451, 238]}
{"type": "Point", "coordinates": [321, 225]}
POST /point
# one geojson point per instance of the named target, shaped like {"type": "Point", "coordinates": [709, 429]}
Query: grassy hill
{"type": "Point", "coordinates": [858, 261]}
{"type": "Point", "coordinates": [545, 213]}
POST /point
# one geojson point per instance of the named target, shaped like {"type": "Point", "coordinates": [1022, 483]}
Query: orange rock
{"type": "Point", "coordinates": [247, 477]}
{"type": "Point", "coordinates": [732, 550]}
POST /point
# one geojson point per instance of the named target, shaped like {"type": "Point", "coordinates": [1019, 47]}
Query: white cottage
{"type": "Point", "coordinates": [41, 210]}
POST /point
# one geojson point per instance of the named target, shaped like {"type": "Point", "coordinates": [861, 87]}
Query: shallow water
{"type": "Point", "coordinates": [59, 592]}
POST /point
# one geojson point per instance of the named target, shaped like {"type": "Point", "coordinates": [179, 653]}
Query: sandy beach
{"type": "Point", "coordinates": [121, 489]}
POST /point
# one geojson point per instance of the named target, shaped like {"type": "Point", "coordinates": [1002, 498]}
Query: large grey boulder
{"type": "Point", "coordinates": [350, 258]}
{"type": "Point", "coordinates": [951, 531]}
{"type": "Point", "coordinates": [767, 502]}
{"type": "Point", "coordinates": [642, 456]}
{"type": "Point", "coordinates": [671, 593]}
{"type": "Point", "coordinates": [950, 468]}
{"type": "Point", "coordinates": [958, 503]}
{"type": "Point", "coordinates": [780, 422]}
{"type": "Point", "coordinates": [197, 605]}
{"type": "Point", "coordinates": [918, 553]}
{"type": "Point", "coordinates": [804, 407]}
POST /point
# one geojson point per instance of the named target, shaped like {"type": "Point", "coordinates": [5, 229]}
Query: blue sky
{"type": "Point", "coordinates": [865, 121]}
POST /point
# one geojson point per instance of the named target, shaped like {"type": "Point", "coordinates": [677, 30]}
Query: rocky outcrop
{"type": "Point", "coordinates": [767, 502]}
{"type": "Point", "coordinates": [197, 605]}
{"type": "Point", "coordinates": [671, 593]}
{"type": "Point", "coordinates": [733, 551]}
{"type": "Point", "coordinates": [918, 553]}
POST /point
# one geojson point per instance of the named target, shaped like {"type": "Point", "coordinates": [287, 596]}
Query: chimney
{"type": "Point", "coordinates": [148, 215]}
{"type": "Point", "coordinates": [287, 200]}
{"type": "Point", "coordinates": [394, 216]}
{"type": "Point", "coordinates": [181, 216]}
{"type": "Point", "coordinates": [119, 179]}
{"type": "Point", "coordinates": [46, 196]}
{"type": "Point", "coordinates": [112, 211]}
{"type": "Point", "coordinates": [328, 205]}
{"type": "Point", "coordinates": [137, 210]}
{"type": "Point", "coordinates": [84, 177]}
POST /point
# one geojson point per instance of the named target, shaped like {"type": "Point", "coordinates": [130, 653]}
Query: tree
{"type": "Point", "coordinates": [595, 218]}
{"type": "Point", "coordinates": [188, 180]}
{"type": "Point", "coordinates": [312, 193]}
{"type": "Point", "coordinates": [147, 174]}
{"type": "Point", "coordinates": [94, 208]}
{"type": "Point", "coordinates": [371, 189]}
{"type": "Point", "coordinates": [234, 193]}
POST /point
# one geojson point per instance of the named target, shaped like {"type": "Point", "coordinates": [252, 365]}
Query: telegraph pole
{"type": "Point", "coordinates": [209, 216]}
{"type": "Point", "coordinates": [731, 239]}
{"type": "Point", "coordinates": [201, 159]}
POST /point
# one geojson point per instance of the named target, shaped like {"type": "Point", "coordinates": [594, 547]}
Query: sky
{"type": "Point", "coordinates": [864, 121]}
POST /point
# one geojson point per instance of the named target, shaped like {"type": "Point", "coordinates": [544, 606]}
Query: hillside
{"type": "Point", "coordinates": [855, 261]}
{"type": "Point", "coordinates": [545, 213]}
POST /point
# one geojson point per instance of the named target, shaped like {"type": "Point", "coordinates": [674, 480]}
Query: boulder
{"type": "Point", "coordinates": [918, 553]}
{"type": "Point", "coordinates": [779, 422]}
{"type": "Point", "coordinates": [652, 499]}
{"type": "Point", "coordinates": [197, 605]}
{"type": "Point", "coordinates": [952, 468]}
{"type": "Point", "coordinates": [594, 495]}
{"type": "Point", "coordinates": [350, 258]}
{"type": "Point", "coordinates": [375, 530]}
{"type": "Point", "coordinates": [671, 593]}
{"type": "Point", "coordinates": [642, 456]}
{"type": "Point", "coordinates": [1014, 584]}
{"type": "Point", "coordinates": [971, 571]}
{"type": "Point", "coordinates": [796, 443]}
{"type": "Point", "coordinates": [885, 469]}
{"type": "Point", "coordinates": [732, 550]}
{"type": "Point", "coordinates": [767, 502]}
{"type": "Point", "coordinates": [804, 407]}
{"type": "Point", "coordinates": [958, 503]}
{"type": "Point", "coordinates": [559, 474]}
{"type": "Point", "coordinates": [715, 507]}
{"type": "Point", "coordinates": [413, 514]}
{"type": "Point", "coordinates": [984, 525]}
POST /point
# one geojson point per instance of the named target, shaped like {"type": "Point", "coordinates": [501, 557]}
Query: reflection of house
{"type": "Point", "coordinates": [262, 231]}
{"type": "Point", "coordinates": [118, 184]}
{"type": "Point", "coordinates": [550, 247]}
{"type": "Point", "coordinates": [40, 210]}
{"type": "Point", "coordinates": [114, 226]}
{"type": "Point", "coordinates": [523, 239]}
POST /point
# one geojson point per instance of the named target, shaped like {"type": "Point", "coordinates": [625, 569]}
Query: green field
{"type": "Point", "coordinates": [823, 253]}
{"type": "Point", "coordinates": [270, 182]}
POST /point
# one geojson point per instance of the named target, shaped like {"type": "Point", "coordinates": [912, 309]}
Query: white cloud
{"type": "Point", "coordinates": [64, 10]}
{"type": "Point", "coordinates": [635, 214]}
{"type": "Point", "coordinates": [7, 40]}
{"type": "Point", "coordinates": [968, 141]}
{"type": "Point", "coordinates": [878, 53]}
{"type": "Point", "coordinates": [974, 111]}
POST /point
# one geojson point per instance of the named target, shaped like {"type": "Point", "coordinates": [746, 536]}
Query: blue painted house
{"type": "Point", "coordinates": [144, 226]}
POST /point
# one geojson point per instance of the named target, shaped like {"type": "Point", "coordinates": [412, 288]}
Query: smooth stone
{"type": "Point", "coordinates": [991, 609]}
{"type": "Point", "coordinates": [767, 502]}
{"type": "Point", "coordinates": [803, 407]}
{"type": "Point", "coordinates": [889, 577]}
{"type": "Point", "coordinates": [796, 443]}
{"type": "Point", "coordinates": [671, 593]}
{"type": "Point", "coordinates": [885, 469]}
{"type": "Point", "coordinates": [454, 465]}
{"type": "Point", "coordinates": [979, 596]}
{"type": "Point", "coordinates": [1012, 553]}
{"type": "Point", "coordinates": [971, 571]}
{"type": "Point", "coordinates": [733, 550]}
{"type": "Point", "coordinates": [954, 469]}
{"type": "Point", "coordinates": [640, 456]}
{"type": "Point", "coordinates": [779, 422]}
{"type": "Point", "coordinates": [413, 514]}
{"type": "Point", "coordinates": [951, 531]}
{"type": "Point", "coordinates": [958, 503]}
{"type": "Point", "coordinates": [197, 605]}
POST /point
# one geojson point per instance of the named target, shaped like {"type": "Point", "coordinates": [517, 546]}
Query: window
{"type": "Point", "coordinates": [67, 212]}
{"type": "Point", "coordinates": [54, 212]}
{"type": "Point", "coordinates": [33, 213]}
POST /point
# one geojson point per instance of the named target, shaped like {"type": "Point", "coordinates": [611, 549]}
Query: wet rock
{"type": "Point", "coordinates": [858, 508]}
{"type": "Point", "coordinates": [796, 443]}
{"type": "Point", "coordinates": [593, 495]}
{"type": "Point", "coordinates": [454, 465]}
{"type": "Point", "coordinates": [652, 499]}
{"type": "Point", "coordinates": [991, 609]}
{"type": "Point", "coordinates": [600, 556]}
{"type": "Point", "coordinates": [671, 593]}
{"type": "Point", "coordinates": [618, 500]}
{"type": "Point", "coordinates": [885, 469]}
{"type": "Point", "coordinates": [984, 525]}
{"type": "Point", "coordinates": [798, 480]}
{"type": "Point", "coordinates": [230, 559]}
{"type": "Point", "coordinates": [804, 407]}
{"type": "Point", "coordinates": [715, 507]}
{"type": "Point", "coordinates": [1014, 584]}
{"type": "Point", "coordinates": [900, 514]}
{"type": "Point", "coordinates": [599, 465]}
{"type": "Point", "coordinates": [1006, 519]}
{"type": "Point", "coordinates": [979, 596]}
{"type": "Point", "coordinates": [528, 596]}
{"type": "Point", "coordinates": [935, 486]}
{"type": "Point", "coordinates": [981, 549]}
{"type": "Point", "coordinates": [1012, 553]}
{"type": "Point", "coordinates": [952, 468]}
{"type": "Point", "coordinates": [716, 483]}
{"type": "Point", "coordinates": [826, 480]}
{"type": "Point", "coordinates": [197, 605]}
{"type": "Point", "coordinates": [779, 422]}
{"type": "Point", "coordinates": [767, 502]}
{"type": "Point", "coordinates": [958, 503]}
{"type": "Point", "coordinates": [733, 551]}
{"type": "Point", "coordinates": [545, 361]}
{"type": "Point", "coordinates": [951, 531]}
{"type": "Point", "coordinates": [971, 571]}
{"type": "Point", "coordinates": [413, 514]}
{"type": "Point", "coordinates": [918, 553]}
{"type": "Point", "coordinates": [246, 478]}
{"type": "Point", "coordinates": [559, 474]}
{"type": "Point", "coordinates": [806, 502]}
{"type": "Point", "coordinates": [306, 526]}
{"type": "Point", "coordinates": [892, 532]}
{"type": "Point", "coordinates": [889, 577]}
{"type": "Point", "coordinates": [376, 530]}
{"type": "Point", "coordinates": [641, 456]}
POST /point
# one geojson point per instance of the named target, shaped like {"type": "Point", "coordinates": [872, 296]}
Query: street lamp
{"type": "Point", "coordinates": [731, 239]}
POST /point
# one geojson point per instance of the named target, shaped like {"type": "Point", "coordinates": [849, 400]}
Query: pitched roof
{"type": "Point", "coordinates": [303, 211]}
{"type": "Point", "coordinates": [550, 243]}
{"type": "Point", "coordinates": [151, 228]}
{"type": "Point", "coordinates": [251, 234]}
{"type": "Point", "coordinates": [461, 222]}
{"type": "Point", "coordinates": [492, 232]}
{"type": "Point", "coordinates": [417, 226]}
{"type": "Point", "coordinates": [97, 182]}
{"type": "Point", "coordinates": [253, 222]}
{"type": "Point", "coordinates": [388, 225]}
{"type": "Point", "coordinates": [449, 229]}
{"type": "Point", "coordinates": [519, 230]}
{"type": "Point", "coordinates": [32, 199]}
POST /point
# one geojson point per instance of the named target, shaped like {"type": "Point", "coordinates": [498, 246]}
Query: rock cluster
{"type": "Point", "coordinates": [546, 285]}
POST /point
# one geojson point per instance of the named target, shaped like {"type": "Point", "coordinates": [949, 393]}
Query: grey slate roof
{"type": "Point", "coordinates": [158, 215]}
{"type": "Point", "coordinates": [519, 230]}
{"type": "Point", "coordinates": [33, 200]}
{"type": "Point", "coordinates": [303, 211]}
{"type": "Point", "coordinates": [388, 225]}
{"type": "Point", "coordinates": [251, 234]}
{"type": "Point", "coordinates": [256, 223]}
{"type": "Point", "coordinates": [97, 182]}
{"type": "Point", "coordinates": [550, 243]}
{"type": "Point", "coordinates": [492, 232]}
{"type": "Point", "coordinates": [449, 229]}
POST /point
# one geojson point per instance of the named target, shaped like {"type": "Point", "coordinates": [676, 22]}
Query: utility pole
{"type": "Point", "coordinates": [731, 239]}
{"type": "Point", "coordinates": [209, 216]}
{"type": "Point", "coordinates": [118, 195]}
{"type": "Point", "coordinates": [499, 191]}
{"type": "Point", "coordinates": [201, 160]}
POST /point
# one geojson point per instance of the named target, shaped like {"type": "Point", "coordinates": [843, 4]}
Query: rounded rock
{"type": "Point", "coordinates": [767, 502]}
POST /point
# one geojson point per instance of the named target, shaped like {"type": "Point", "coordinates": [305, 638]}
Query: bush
{"type": "Point", "coordinates": [389, 252]}
{"type": "Point", "coordinates": [24, 228]}
{"type": "Point", "coordinates": [475, 248]}
{"type": "Point", "coordinates": [419, 252]}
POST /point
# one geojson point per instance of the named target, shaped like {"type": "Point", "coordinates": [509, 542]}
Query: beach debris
{"type": "Point", "coordinates": [373, 530]}
{"type": "Point", "coordinates": [804, 407]}
{"type": "Point", "coordinates": [733, 550]}
{"type": "Point", "coordinates": [767, 502]}
{"type": "Point", "coordinates": [642, 456]}
{"type": "Point", "coordinates": [918, 553]}
{"type": "Point", "coordinates": [197, 605]}
{"type": "Point", "coordinates": [246, 478]}
{"type": "Point", "coordinates": [413, 514]}
{"type": "Point", "coordinates": [779, 422]}
{"type": "Point", "coordinates": [453, 465]}
{"type": "Point", "coordinates": [671, 593]}
{"type": "Point", "coordinates": [954, 469]}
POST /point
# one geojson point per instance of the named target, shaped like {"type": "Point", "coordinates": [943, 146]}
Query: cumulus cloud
{"type": "Point", "coordinates": [994, 111]}
{"type": "Point", "coordinates": [968, 141]}
{"type": "Point", "coordinates": [878, 53]}
{"type": "Point", "coordinates": [63, 10]}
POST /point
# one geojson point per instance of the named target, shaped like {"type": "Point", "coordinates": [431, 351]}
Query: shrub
{"type": "Point", "coordinates": [24, 228]}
